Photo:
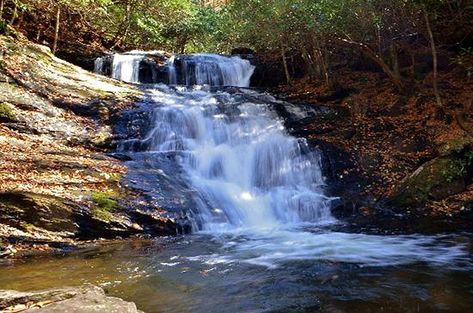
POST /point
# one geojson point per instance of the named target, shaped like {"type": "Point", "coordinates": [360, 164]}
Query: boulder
{"type": "Point", "coordinates": [84, 299]}
{"type": "Point", "coordinates": [435, 180]}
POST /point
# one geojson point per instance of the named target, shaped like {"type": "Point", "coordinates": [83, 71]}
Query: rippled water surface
{"type": "Point", "coordinates": [245, 273]}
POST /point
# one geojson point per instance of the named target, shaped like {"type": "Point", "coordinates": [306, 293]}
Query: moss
{"type": "Point", "coordinates": [104, 205]}
{"type": "Point", "coordinates": [102, 141]}
{"type": "Point", "coordinates": [435, 180]}
{"type": "Point", "coordinates": [104, 202]}
{"type": "Point", "coordinates": [455, 145]}
{"type": "Point", "coordinates": [3, 27]}
{"type": "Point", "coordinates": [103, 215]}
{"type": "Point", "coordinates": [5, 111]}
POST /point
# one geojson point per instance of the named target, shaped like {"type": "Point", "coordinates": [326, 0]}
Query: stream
{"type": "Point", "coordinates": [263, 237]}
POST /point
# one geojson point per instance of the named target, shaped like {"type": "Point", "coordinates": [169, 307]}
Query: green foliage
{"type": "Point", "coordinates": [103, 202]}
{"type": "Point", "coordinates": [315, 30]}
{"type": "Point", "coordinates": [3, 27]}
{"type": "Point", "coordinates": [5, 111]}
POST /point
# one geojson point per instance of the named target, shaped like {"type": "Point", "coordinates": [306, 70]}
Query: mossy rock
{"type": "Point", "coordinates": [31, 212]}
{"type": "Point", "coordinates": [434, 180]}
{"type": "Point", "coordinates": [104, 205]}
{"type": "Point", "coordinates": [6, 112]}
{"type": "Point", "coordinates": [454, 145]}
{"type": "Point", "coordinates": [103, 141]}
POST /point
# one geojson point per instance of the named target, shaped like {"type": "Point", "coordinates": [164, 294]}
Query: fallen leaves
{"type": "Point", "coordinates": [394, 135]}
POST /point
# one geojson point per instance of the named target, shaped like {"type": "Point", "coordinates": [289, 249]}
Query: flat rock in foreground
{"type": "Point", "coordinates": [85, 299]}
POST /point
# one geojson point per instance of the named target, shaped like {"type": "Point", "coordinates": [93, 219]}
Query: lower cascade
{"type": "Point", "coordinates": [248, 172]}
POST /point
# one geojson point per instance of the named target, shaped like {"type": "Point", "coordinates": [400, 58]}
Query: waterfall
{"type": "Point", "coordinates": [216, 70]}
{"type": "Point", "coordinates": [172, 72]}
{"type": "Point", "coordinates": [189, 70]}
{"type": "Point", "coordinates": [126, 67]}
{"type": "Point", "coordinates": [248, 172]}
{"type": "Point", "coordinates": [98, 65]}
{"type": "Point", "coordinates": [226, 159]}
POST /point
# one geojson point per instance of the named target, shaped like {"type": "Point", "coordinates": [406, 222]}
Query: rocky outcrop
{"type": "Point", "coordinates": [84, 299]}
{"type": "Point", "coordinates": [57, 184]}
{"type": "Point", "coordinates": [64, 218]}
{"type": "Point", "coordinates": [385, 158]}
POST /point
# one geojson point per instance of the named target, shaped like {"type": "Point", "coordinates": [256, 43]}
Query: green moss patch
{"type": "Point", "coordinates": [104, 205]}
{"type": "Point", "coordinates": [104, 201]}
{"type": "Point", "coordinates": [5, 111]}
{"type": "Point", "coordinates": [435, 180]}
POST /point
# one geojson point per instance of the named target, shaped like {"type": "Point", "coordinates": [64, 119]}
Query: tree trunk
{"type": "Point", "coordinates": [284, 62]}
{"type": "Point", "coordinates": [395, 61]}
{"type": "Point", "coordinates": [310, 69]}
{"type": "Point", "coordinates": [293, 66]}
{"type": "Point", "coordinates": [412, 68]}
{"type": "Point", "coordinates": [56, 31]}
{"type": "Point", "coordinates": [319, 50]}
{"type": "Point", "coordinates": [322, 58]}
{"type": "Point", "coordinates": [15, 13]}
{"type": "Point", "coordinates": [378, 60]}
{"type": "Point", "coordinates": [2, 5]}
{"type": "Point", "coordinates": [435, 61]}
{"type": "Point", "coordinates": [326, 66]}
{"type": "Point", "coordinates": [121, 34]}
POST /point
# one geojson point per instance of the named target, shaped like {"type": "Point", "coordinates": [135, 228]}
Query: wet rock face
{"type": "Point", "coordinates": [30, 212]}
{"type": "Point", "coordinates": [41, 211]}
{"type": "Point", "coordinates": [54, 128]}
{"type": "Point", "coordinates": [83, 299]}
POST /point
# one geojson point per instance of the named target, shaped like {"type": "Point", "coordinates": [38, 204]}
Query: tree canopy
{"type": "Point", "coordinates": [315, 32]}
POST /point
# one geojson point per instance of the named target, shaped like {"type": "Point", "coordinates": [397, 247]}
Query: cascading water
{"type": "Point", "coordinates": [249, 172]}
{"type": "Point", "coordinates": [98, 65]}
{"type": "Point", "coordinates": [189, 70]}
{"type": "Point", "coordinates": [215, 70]}
{"type": "Point", "coordinates": [264, 238]}
{"type": "Point", "coordinates": [126, 67]}
{"type": "Point", "coordinates": [244, 178]}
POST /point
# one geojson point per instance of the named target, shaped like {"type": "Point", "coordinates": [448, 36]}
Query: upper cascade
{"type": "Point", "coordinates": [151, 67]}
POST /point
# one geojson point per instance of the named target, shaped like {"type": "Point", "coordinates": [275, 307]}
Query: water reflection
{"type": "Point", "coordinates": [176, 275]}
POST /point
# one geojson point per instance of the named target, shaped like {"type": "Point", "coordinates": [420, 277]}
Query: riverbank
{"type": "Point", "coordinates": [390, 156]}
{"type": "Point", "coordinates": [58, 182]}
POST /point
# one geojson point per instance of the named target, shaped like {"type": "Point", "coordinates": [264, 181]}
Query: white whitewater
{"type": "Point", "coordinates": [195, 69]}
{"type": "Point", "coordinates": [261, 191]}
{"type": "Point", "coordinates": [250, 173]}
{"type": "Point", "coordinates": [214, 70]}
{"type": "Point", "coordinates": [126, 66]}
{"type": "Point", "coordinates": [98, 65]}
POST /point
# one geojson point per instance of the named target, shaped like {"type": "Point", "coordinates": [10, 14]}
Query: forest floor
{"type": "Point", "coordinates": [395, 142]}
